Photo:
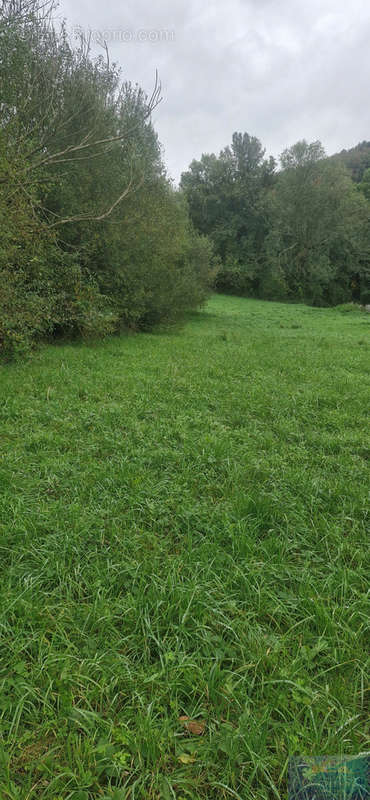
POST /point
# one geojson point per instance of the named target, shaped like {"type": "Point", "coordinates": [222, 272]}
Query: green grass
{"type": "Point", "coordinates": [183, 533]}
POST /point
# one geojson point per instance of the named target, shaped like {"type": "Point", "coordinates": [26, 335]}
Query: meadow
{"type": "Point", "coordinates": [184, 571]}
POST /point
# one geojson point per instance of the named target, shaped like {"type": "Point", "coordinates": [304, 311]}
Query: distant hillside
{"type": "Point", "coordinates": [357, 159]}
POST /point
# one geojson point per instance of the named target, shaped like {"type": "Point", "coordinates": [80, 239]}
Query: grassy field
{"type": "Point", "coordinates": [183, 524]}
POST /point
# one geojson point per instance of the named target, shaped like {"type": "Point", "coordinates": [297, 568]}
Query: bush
{"type": "Point", "coordinates": [348, 308]}
{"type": "Point", "coordinates": [234, 278]}
{"type": "Point", "coordinates": [272, 284]}
{"type": "Point", "coordinates": [44, 290]}
{"type": "Point", "coordinates": [155, 267]}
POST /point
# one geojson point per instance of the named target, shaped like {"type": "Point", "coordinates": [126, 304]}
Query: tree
{"type": "Point", "coordinates": [302, 155]}
{"type": "Point", "coordinates": [356, 160]}
{"type": "Point", "coordinates": [226, 197]}
{"type": "Point", "coordinates": [58, 105]}
{"type": "Point", "coordinates": [364, 185]}
{"type": "Point", "coordinates": [319, 236]}
{"type": "Point", "coordinates": [92, 235]}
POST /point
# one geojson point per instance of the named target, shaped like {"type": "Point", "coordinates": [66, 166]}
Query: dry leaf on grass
{"type": "Point", "coordinates": [194, 726]}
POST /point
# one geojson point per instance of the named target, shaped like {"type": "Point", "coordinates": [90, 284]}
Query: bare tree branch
{"type": "Point", "coordinates": [100, 217]}
{"type": "Point", "coordinates": [84, 144]}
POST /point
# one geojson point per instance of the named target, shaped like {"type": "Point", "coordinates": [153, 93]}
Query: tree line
{"type": "Point", "coordinates": [95, 238]}
{"type": "Point", "coordinates": [297, 232]}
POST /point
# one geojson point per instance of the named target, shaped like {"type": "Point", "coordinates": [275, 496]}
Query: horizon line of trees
{"type": "Point", "coordinates": [299, 233]}
{"type": "Point", "coordinates": [95, 239]}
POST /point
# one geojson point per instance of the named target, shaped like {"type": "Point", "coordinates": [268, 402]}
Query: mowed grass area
{"type": "Point", "coordinates": [184, 522]}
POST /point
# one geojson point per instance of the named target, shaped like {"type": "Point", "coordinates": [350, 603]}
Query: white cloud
{"type": "Point", "coordinates": [281, 71]}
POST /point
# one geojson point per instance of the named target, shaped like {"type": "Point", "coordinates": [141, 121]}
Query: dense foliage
{"type": "Point", "coordinates": [300, 233]}
{"type": "Point", "coordinates": [93, 236]}
{"type": "Point", "coordinates": [227, 199]}
{"type": "Point", "coordinates": [357, 160]}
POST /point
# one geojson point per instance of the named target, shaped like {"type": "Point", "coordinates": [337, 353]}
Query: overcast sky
{"type": "Point", "coordinates": [281, 70]}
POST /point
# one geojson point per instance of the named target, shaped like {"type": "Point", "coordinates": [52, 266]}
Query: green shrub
{"type": "Point", "coordinates": [348, 308]}
{"type": "Point", "coordinates": [43, 290]}
{"type": "Point", "coordinates": [234, 278]}
{"type": "Point", "coordinates": [272, 285]}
